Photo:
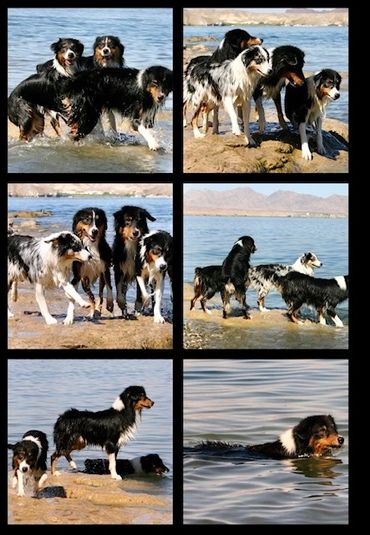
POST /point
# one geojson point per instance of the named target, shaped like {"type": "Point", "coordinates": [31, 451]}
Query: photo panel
{"type": "Point", "coordinates": [88, 102]}
{"type": "Point", "coordinates": [113, 289]}
{"type": "Point", "coordinates": [265, 266]}
{"type": "Point", "coordinates": [265, 90]}
{"type": "Point", "coordinates": [130, 411]}
{"type": "Point", "coordinates": [266, 441]}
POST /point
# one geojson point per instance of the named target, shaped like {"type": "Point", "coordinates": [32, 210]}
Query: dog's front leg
{"type": "Point", "coordinates": [320, 145]}
{"type": "Point", "coordinates": [112, 465]}
{"type": "Point", "coordinates": [20, 490]}
{"type": "Point", "coordinates": [246, 109]}
{"type": "Point", "coordinates": [148, 136]}
{"type": "Point", "coordinates": [158, 292]}
{"type": "Point", "coordinates": [40, 298]}
{"type": "Point", "coordinates": [230, 108]}
{"type": "Point", "coordinates": [306, 153]}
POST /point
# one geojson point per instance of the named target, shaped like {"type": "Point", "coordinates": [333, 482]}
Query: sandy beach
{"type": "Point", "coordinates": [78, 498]}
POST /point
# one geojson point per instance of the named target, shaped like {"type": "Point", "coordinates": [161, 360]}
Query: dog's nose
{"type": "Point", "coordinates": [340, 440]}
{"type": "Point", "coordinates": [105, 51]}
{"type": "Point", "coordinates": [160, 97]}
{"type": "Point", "coordinates": [163, 267]}
{"type": "Point", "coordinates": [24, 469]}
{"type": "Point", "coordinates": [336, 96]}
{"type": "Point", "coordinates": [136, 233]}
{"type": "Point", "coordinates": [71, 55]}
{"type": "Point", "coordinates": [94, 232]}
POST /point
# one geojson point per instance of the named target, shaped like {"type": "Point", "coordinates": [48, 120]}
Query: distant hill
{"type": "Point", "coordinates": [246, 201]}
{"type": "Point", "coordinates": [124, 190]}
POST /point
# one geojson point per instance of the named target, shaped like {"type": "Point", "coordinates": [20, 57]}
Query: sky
{"type": "Point", "coordinates": [321, 190]}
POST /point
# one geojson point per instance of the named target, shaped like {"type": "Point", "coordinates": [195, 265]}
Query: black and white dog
{"type": "Point", "coordinates": [110, 429]}
{"type": "Point", "coordinates": [90, 225]}
{"type": "Point", "coordinates": [156, 254]}
{"type": "Point", "coordinates": [262, 278]}
{"type": "Point", "coordinates": [322, 294]}
{"type": "Point", "coordinates": [135, 94]}
{"type": "Point", "coordinates": [306, 105]}
{"type": "Point", "coordinates": [144, 465]}
{"type": "Point", "coordinates": [46, 262]}
{"type": "Point", "coordinates": [313, 436]}
{"type": "Point", "coordinates": [42, 93]}
{"type": "Point", "coordinates": [207, 281]}
{"type": "Point", "coordinates": [107, 52]}
{"type": "Point", "coordinates": [235, 269]}
{"type": "Point", "coordinates": [234, 42]}
{"type": "Point", "coordinates": [130, 224]}
{"type": "Point", "coordinates": [232, 83]}
{"type": "Point", "coordinates": [287, 67]}
{"type": "Point", "coordinates": [29, 459]}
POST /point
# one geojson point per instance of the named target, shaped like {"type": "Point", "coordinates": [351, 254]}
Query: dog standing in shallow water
{"type": "Point", "coordinates": [29, 458]}
{"type": "Point", "coordinates": [110, 429]}
{"type": "Point", "coordinates": [315, 435]}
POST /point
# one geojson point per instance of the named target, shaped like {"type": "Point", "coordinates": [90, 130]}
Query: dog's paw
{"type": "Point", "coordinates": [51, 321]}
{"type": "Point", "coordinates": [159, 319]}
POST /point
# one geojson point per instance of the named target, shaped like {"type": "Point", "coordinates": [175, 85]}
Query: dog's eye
{"type": "Point", "coordinates": [154, 83]}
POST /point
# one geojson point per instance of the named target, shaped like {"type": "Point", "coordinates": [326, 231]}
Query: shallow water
{"type": "Point", "coordinates": [251, 402]}
{"type": "Point", "coordinates": [93, 384]}
{"type": "Point", "coordinates": [131, 155]}
{"type": "Point", "coordinates": [280, 240]}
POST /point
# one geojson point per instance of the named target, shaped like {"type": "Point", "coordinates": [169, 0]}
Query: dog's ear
{"type": "Point", "coordinates": [302, 430]}
{"type": "Point", "coordinates": [147, 215]}
{"type": "Point", "coordinates": [54, 46]}
{"type": "Point", "coordinates": [11, 446]}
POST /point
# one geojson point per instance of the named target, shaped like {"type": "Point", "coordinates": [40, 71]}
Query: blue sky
{"type": "Point", "coordinates": [321, 190]}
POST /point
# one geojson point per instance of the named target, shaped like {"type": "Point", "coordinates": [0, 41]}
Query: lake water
{"type": "Point", "coordinates": [58, 385]}
{"type": "Point", "coordinates": [64, 208]}
{"type": "Point", "coordinates": [147, 37]}
{"type": "Point", "coordinates": [324, 47]}
{"type": "Point", "coordinates": [207, 241]}
{"type": "Point", "coordinates": [251, 402]}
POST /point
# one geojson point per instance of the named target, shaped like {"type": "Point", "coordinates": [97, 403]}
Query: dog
{"type": "Point", "coordinates": [109, 429]}
{"type": "Point", "coordinates": [136, 95]}
{"type": "Point", "coordinates": [207, 281]}
{"type": "Point", "coordinates": [155, 254]}
{"type": "Point", "coordinates": [42, 93]}
{"type": "Point", "coordinates": [108, 51]}
{"type": "Point", "coordinates": [306, 105]}
{"type": "Point", "coordinates": [287, 67]}
{"type": "Point", "coordinates": [322, 294]}
{"type": "Point", "coordinates": [46, 262]}
{"type": "Point", "coordinates": [90, 225]}
{"type": "Point", "coordinates": [313, 436]}
{"type": "Point", "coordinates": [235, 270]}
{"type": "Point", "coordinates": [231, 83]}
{"type": "Point", "coordinates": [262, 277]}
{"type": "Point", "coordinates": [144, 465]}
{"type": "Point", "coordinates": [29, 459]}
{"type": "Point", "coordinates": [234, 42]}
{"type": "Point", "coordinates": [130, 223]}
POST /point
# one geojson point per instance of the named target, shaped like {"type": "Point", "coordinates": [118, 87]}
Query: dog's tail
{"type": "Point", "coordinates": [212, 445]}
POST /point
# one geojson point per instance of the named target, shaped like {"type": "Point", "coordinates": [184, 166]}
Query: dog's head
{"type": "Point", "coordinates": [156, 248]}
{"type": "Point", "coordinates": [317, 434]}
{"type": "Point", "coordinates": [108, 51]}
{"type": "Point", "coordinates": [237, 40]}
{"type": "Point", "coordinates": [309, 261]}
{"type": "Point", "coordinates": [68, 247]}
{"type": "Point", "coordinates": [246, 242]}
{"type": "Point", "coordinates": [158, 81]}
{"type": "Point", "coordinates": [130, 222]}
{"type": "Point", "coordinates": [256, 59]}
{"type": "Point", "coordinates": [133, 397]}
{"type": "Point", "coordinates": [90, 224]}
{"type": "Point", "coordinates": [288, 62]}
{"type": "Point", "coordinates": [153, 464]}
{"type": "Point", "coordinates": [327, 83]}
{"type": "Point", "coordinates": [25, 455]}
{"type": "Point", "coordinates": [67, 53]}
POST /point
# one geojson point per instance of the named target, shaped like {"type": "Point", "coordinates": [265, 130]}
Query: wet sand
{"type": "Point", "coordinates": [93, 499]}
{"type": "Point", "coordinates": [266, 330]}
{"type": "Point", "coordinates": [28, 330]}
